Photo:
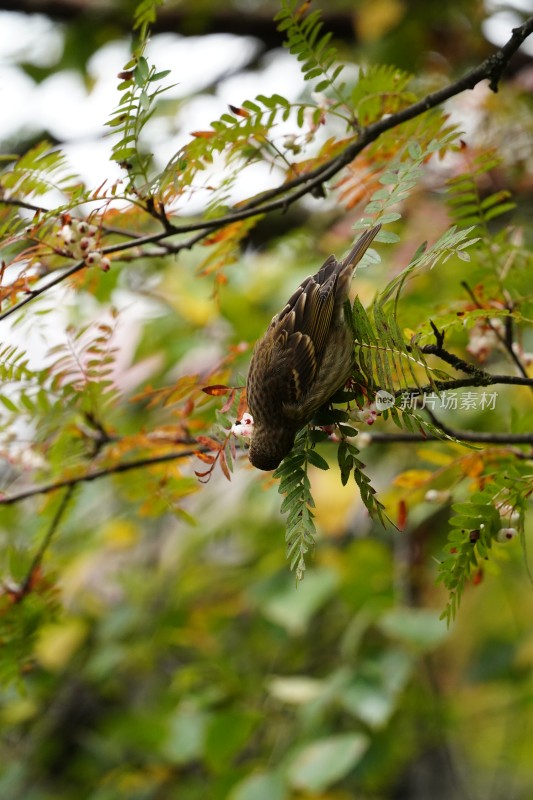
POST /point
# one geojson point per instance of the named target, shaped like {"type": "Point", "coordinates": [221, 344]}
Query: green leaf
{"type": "Point", "coordinates": [324, 762]}
{"type": "Point", "coordinates": [158, 76]}
{"type": "Point", "coordinates": [260, 786]}
{"type": "Point", "coordinates": [293, 608]}
{"type": "Point", "coordinates": [227, 734]}
{"type": "Point", "coordinates": [141, 71]}
{"type": "Point", "coordinates": [186, 736]}
{"type": "Point", "coordinates": [419, 627]}
{"type": "Point", "coordinates": [9, 404]}
{"type": "Point", "coordinates": [314, 458]}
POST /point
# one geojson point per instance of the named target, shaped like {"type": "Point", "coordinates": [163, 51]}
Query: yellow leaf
{"type": "Point", "coordinates": [473, 466]}
{"type": "Point", "coordinates": [376, 17]}
{"type": "Point", "coordinates": [18, 712]}
{"type": "Point", "coordinates": [197, 310]}
{"type": "Point", "coordinates": [435, 457]}
{"type": "Point", "coordinates": [57, 643]}
{"type": "Point", "coordinates": [413, 478]}
{"type": "Point", "coordinates": [120, 534]}
{"type": "Point", "coordinates": [334, 503]}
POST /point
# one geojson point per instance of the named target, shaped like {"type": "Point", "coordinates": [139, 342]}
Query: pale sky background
{"type": "Point", "coordinates": [62, 105]}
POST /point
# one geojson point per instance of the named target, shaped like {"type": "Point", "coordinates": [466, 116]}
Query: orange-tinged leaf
{"type": "Point", "coordinates": [218, 236]}
{"type": "Point", "coordinates": [217, 390]}
{"type": "Point", "coordinates": [359, 181]}
{"type": "Point", "coordinates": [208, 442]}
{"type": "Point", "coordinates": [240, 112]}
{"type": "Point", "coordinates": [477, 577]}
{"type": "Point", "coordinates": [243, 405]}
{"type": "Point", "coordinates": [224, 465]}
{"type": "Point", "coordinates": [227, 405]}
{"type": "Point", "coordinates": [224, 246]}
{"type": "Point", "coordinates": [206, 458]}
{"type": "Point", "coordinates": [188, 407]}
{"type": "Point", "coordinates": [203, 134]}
{"type": "Point", "coordinates": [298, 14]}
{"type": "Point", "coordinates": [233, 232]}
{"type": "Point", "coordinates": [474, 467]}
{"type": "Point", "coordinates": [402, 515]}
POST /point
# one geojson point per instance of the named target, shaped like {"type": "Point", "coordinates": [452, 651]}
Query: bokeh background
{"type": "Point", "coordinates": [182, 661]}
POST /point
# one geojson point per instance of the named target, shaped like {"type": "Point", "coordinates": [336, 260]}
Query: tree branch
{"type": "Point", "coordinates": [287, 193]}
{"type": "Point", "coordinates": [507, 340]}
{"type": "Point", "coordinates": [449, 358]}
{"type": "Point", "coordinates": [126, 466]}
{"type": "Point", "coordinates": [476, 437]}
{"type": "Point", "coordinates": [481, 379]}
{"type": "Point", "coordinates": [79, 265]}
{"type": "Point", "coordinates": [45, 544]}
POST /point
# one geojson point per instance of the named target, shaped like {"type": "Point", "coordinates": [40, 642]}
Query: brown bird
{"type": "Point", "coordinates": [305, 355]}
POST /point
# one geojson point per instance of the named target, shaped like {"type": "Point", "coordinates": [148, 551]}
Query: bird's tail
{"type": "Point", "coordinates": [360, 247]}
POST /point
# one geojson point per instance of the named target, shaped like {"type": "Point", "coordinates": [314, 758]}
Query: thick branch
{"type": "Point", "coordinates": [491, 69]}
{"type": "Point", "coordinates": [479, 377]}
{"type": "Point", "coordinates": [453, 360]}
{"type": "Point", "coordinates": [287, 193]}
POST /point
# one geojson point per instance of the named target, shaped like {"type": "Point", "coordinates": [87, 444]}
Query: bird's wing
{"type": "Point", "coordinates": [310, 309]}
{"type": "Point", "coordinates": [301, 367]}
{"type": "Point", "coordinates": [301, 332]}
{"type": "Point", "coordinates": [289, 355]}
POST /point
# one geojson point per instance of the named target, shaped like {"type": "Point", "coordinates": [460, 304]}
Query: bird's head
{"type": "Point", "coordinates": [270, 445]}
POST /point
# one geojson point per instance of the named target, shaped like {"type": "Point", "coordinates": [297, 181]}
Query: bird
{"type": "Point", "coordinates": [304, 357]}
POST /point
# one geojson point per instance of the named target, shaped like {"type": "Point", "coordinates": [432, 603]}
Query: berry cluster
{"type": "Point", "coordinates": [81, 241]}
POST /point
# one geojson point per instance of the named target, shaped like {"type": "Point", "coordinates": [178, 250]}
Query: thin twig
{"type": "Point", "coordinates": [451, 359]}
{"type": "Point", "coordinates": [39, 555]}
{"type": "Point", "coordinates": [482, 379]}
{"type": "Point", "coordinates": [125, 466]}
{"type": "Point", "coordinates": [79, 265]}
{"type": "Point", "coordinates": [475, 437]}
{"type": "Point", "coordinates": [505, 340]}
